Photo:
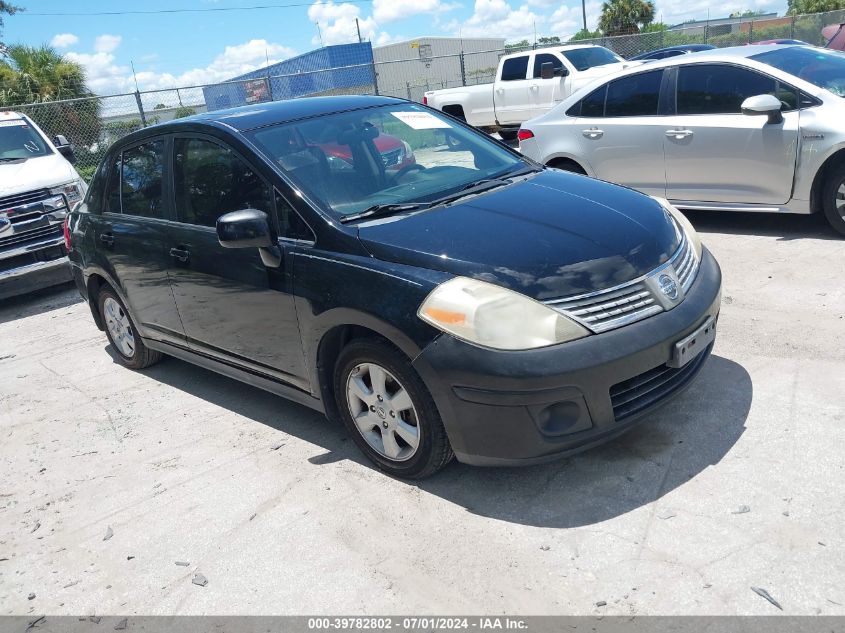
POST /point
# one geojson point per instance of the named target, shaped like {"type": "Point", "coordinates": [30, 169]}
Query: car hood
{"type": "Point", "coordinates": [551, 235]}
{"type": "Point", "coordinates": [35, 173]}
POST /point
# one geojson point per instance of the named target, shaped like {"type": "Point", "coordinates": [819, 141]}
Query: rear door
{"type": "Point", "coordinates": [233, 307]}
{"type": "Point", "coordinates": [512, 96]}
{"type": "Point", "coordinates": [621, 127]}
{"type": "Point", "coordinates": [131, 234]}
{"type": "Point", "coordinates": [714, 153]}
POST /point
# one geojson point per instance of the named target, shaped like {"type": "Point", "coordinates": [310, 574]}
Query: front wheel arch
{"type": "Point", "coordinates": [827, 169]}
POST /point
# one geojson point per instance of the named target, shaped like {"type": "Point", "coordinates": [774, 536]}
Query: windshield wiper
{"type": "Point", "coordinates": [383, 210]}
{"type": "Point", "coordinates": [6, 159]}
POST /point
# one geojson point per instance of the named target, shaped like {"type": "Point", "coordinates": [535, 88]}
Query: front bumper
{"type": "Point", "coordinates": [512, 408]}
{"type": "Point", "coordinates": [34, 276]}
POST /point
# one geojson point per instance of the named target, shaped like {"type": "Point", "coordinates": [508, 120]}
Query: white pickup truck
{"type": "Point", "coordinates": [527, 84]}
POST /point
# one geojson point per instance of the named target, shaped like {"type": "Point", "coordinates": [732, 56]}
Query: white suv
{"type": "Point", "coordinates": [753, 128]}
{"type": "Point", "coordinates": [38, 186]}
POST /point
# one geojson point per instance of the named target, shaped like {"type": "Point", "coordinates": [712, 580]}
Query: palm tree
{"type": "Point", "coordinates": [8, 9]}
{"type": "Point", "coordinates": [624, 17]}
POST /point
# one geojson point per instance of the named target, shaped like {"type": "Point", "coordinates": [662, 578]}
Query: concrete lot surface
{"type": "Point", "coordinates": [110, 477]}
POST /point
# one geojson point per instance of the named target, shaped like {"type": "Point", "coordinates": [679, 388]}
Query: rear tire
{"type": "Point", "coordinates": [508, 135]}
{"type": "Point", "coordinates": [122, 333]}
{"type": "Point", "coordinates": [388, 410]}
{"type": "Point", "coordinates": [833, 199]}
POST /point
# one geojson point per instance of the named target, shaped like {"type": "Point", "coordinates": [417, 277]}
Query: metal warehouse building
{"type": "Point", "coordinates": [341, 69]}
{"type": "Point", "coordinates": [409, 68]}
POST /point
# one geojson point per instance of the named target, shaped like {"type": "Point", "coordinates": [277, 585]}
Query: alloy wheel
{"type": "Point", "coordinates": [119, 326]}
{"type": "Point", "coordinates": [840, 200]}
{"type": "Point", "coordinates": [383, 411]}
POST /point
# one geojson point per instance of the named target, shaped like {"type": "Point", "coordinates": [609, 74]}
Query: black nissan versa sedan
{"type": "Point", "coordinates": [442, 295]}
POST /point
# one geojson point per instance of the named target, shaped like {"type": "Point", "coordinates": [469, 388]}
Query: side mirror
{"type": "Point", "coordinates": [764, 104]}
{"type": "Point", "coordinates": [547, 70]}
{"type": "Point", "coordinates": [249, 228]}
{"type": "Point", "coordinates": [562, 72]}
{"type": "Point", "coordinates": [64, 148]}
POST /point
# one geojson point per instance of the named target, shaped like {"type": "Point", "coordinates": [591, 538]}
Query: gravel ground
{"type": "Point", "coordinates": [112, 478]}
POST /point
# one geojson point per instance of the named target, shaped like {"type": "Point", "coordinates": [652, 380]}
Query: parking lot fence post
{"type": "Point", "coordinates": [140, 108]}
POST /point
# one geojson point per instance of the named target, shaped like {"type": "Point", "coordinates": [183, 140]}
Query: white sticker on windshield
{"type": "Point", "coordinates": [12, 122]}
{"type": "Point", "coordinates": [421, 120]}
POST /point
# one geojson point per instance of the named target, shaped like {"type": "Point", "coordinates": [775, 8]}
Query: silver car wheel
{"type": "Point", "coordinates": [840, 200]}
{"type": "Point", "coordinates": [383, 412]}
{"type": "Point", "coordinates": [119, 326]}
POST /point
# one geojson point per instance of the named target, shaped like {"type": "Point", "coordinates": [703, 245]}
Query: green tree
{"type": "Point", "coordinates": [798, 7]}
{"type": "Point", "coordinates": [7, 9]}
{"type": "Point", "coordinates": [183, 111]}
{"type": "Point", "coordinates": [518, 45]}
{"type": "Point", "coordinates": [554, 40]}
{"type": "Point", "coordinates": [625, 17]}
{"type": "Point", "coordinates": [585, 34]}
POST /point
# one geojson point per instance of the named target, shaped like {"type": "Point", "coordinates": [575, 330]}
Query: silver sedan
{"type": "Point", "coordinates": [752, 128]}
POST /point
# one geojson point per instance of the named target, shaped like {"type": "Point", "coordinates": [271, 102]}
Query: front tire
{"type": "Point", "coordinates": [122, 334]}
{"type": "Point", "coordinates": [388, 411]}
{"type": "Point", "coordinates": [833, 199]}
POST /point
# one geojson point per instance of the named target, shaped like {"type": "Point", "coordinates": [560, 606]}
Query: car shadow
{"type": "Point", "coordinates": [676, 443]}
{"type": "Point", "coordinates": [39, 301]}
{"type": "Point", "coordinates": [784, 226]}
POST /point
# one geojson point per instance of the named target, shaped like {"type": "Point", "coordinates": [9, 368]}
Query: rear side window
{"type": "Point", "coordinates": [140, 184]}
{"type": "Point", "coordinates": [211, 180]}
{"type": "Point", "coordinates": [515, 68]}
{"type": "Point", "coordinates": [591, 106]}
{"type": "Point", "coordinates": [719, 89]}
{"type": "Point", "coordinates": [635, 95]}
{"type": "Point", "coordinates": [545, 58]}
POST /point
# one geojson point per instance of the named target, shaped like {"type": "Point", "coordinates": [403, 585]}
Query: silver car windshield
{"type": "Point", "coordinates": [18, 141]}
{"type": "Point", "coordinates": [823, 68]}
{"type": "Point", "coordinates": [390, 155]}
{"type": "Point", "coordinates": [584, 58]}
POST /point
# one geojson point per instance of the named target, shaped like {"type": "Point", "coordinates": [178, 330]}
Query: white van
{"type": "Point", "coordinates": [38, 186]}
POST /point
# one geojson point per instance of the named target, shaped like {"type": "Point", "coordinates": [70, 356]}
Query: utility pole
{"type": "Point", "coordinates": [358, 28]}
{"type": "Point", "coordinates": [138, 96]}
{"type": "Point", "coordinates": [319, 33]}
{"type": "Point", "coordinates": [584, 12]}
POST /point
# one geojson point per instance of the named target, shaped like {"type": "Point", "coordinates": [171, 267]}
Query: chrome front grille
{"type": "Point", "coordinates": [20, 199]}
{"type": "Point", "coordinates": [632, 301]}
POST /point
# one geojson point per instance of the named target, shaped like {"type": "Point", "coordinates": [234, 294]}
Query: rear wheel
{"type": "Point", "coordinates": [121, 332]}
{"type": "Point", "coordinates": [833, 197]}
{"type": "Point", "coordinates": [388, 411]}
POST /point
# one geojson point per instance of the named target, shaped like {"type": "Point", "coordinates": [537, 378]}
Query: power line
{"type": "Point", "coordinates": [206, 10]}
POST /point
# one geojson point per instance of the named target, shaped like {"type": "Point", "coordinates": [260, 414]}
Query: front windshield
{"type": "Point", "coordinates": [396, 154]}
{"type": "Point", "coordinates": [19, 141]}
{"type": "Point", "coordinates": [584, 58]}
{"type": "Point", "coordinates": [823, 68]}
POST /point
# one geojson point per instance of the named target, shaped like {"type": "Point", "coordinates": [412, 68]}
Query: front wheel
{"type": "Point", "coordinates": [388, 411]}
{"type": "Point", "coordinates": [833, 197]}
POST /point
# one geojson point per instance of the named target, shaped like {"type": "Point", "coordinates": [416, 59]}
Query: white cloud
{"type": "Point", "coordinates": [391, 10]}
{"type": "Point", "coordinates": [63, 40]}
{"type": "Point", "coordinates": [566, 20]}
{"type": "Point", "coordinates": [496, 18]}
{"type": "Point", "coordinates": [337, 23]}
{"type": "Point", "coordinates": [107, 43]}
{"type": "Point", "coordinates": [105, 76]}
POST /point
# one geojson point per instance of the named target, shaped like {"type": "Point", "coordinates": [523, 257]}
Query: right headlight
{"type": "Point", "coordinates": [492, 316]}
{"type": "Point", "coordinates": [686, 225]}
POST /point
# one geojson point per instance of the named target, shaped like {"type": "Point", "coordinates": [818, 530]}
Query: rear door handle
{"type": "Point", "coordinates": [679, 134]}
{"type": "Point", "coordinates": [107, 239]}
{"type": "Point", "coordinates": [180, 254]}
{"type": "Point", "coordinates": [535, 87]}
{"type": "Point", "coordinates": [593, 133]}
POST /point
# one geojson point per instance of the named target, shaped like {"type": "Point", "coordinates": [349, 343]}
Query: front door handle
{"type": "Point", "coordinates": [679, 134]}
{"type": "Point", "coordinates": [593, 133]}
{"type": "Point", "coordinates": [107, 239]}
{"type": "Point", "coordinates": [180, 254]}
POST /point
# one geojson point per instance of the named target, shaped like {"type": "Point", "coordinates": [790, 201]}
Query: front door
{"type": "Point", "coordinates": [621, 132]}
{"type": "Point", "coordinates": [714, 153]}
{"type": "Point", "coordinates": [232, 305]}
{"type": "Point", "coordinates": [131, 234]}
{"type": "Point", "coordinates": [546, 93]}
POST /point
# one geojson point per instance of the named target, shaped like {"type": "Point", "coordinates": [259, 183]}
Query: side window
{"type": "Point", "coordinates": [593, 104]}
{"type": "Point", "coordinates": [788, 96]}
{"type": "Point", "coordinates": [140, 185]}
{"type": "Point", "coordinates": [718, 89]}
{"type": "Point", "coordinates": [515, 68]}
{"type": "Point", "coordinates": [111, 174]}
{"type": "Point", "coordinates": [545, 58]}
{"type": "Point", "coordinates": [211, 180]}
{"type": "Point", "coordinates": [634, 95]}
{"type": "Point", "coordinates": [291, 224]}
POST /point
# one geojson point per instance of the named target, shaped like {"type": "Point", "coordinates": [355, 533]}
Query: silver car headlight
{"type": "Point", "coordinates": [489, 315]}
{"type": "Point", "coordinates": [685, 224]}
{"type": "Point", "coordinates": [73, 191]}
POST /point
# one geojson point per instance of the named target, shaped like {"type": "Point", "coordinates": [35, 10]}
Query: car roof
{"type": "Point", "coordinates": [260, 114]}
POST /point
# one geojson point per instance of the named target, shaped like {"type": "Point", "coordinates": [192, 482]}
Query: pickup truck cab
{"type": "Point", "coordinates": [38, 186]}
{"type": "Point", "coordinates": [527, 85]}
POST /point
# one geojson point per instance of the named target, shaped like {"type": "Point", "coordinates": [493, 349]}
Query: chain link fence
{"type": "Point", "coordinates": [92, 124]}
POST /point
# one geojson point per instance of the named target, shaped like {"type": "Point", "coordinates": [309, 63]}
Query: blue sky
{"type": "Point", "coordinates": [177, 49]}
